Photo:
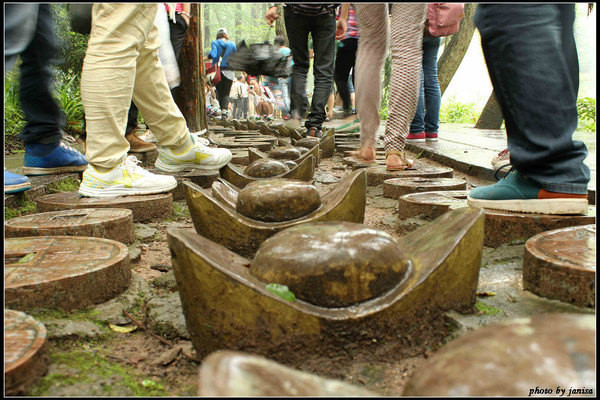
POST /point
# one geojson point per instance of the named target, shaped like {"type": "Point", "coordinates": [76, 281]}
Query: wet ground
{"type": "Point", "coordinates": [89, 358]}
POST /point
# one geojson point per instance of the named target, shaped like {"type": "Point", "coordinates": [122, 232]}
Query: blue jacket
{"type": "Point", "coordinates": [216, 49]}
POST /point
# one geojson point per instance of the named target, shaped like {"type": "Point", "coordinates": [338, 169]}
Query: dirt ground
{"type": "Point", "coordinates": [140, 364]}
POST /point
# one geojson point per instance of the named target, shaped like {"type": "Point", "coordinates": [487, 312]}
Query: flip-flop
{"type": "Point", "coordinates": [349, 124]}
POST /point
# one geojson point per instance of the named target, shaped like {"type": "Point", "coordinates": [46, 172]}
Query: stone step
{"type": "Point", "coordinates": [396, 187]}
{"type": "Point", "coordinates": [66, 272]}
{"type": "Point", "coordinates": [376, 175]}
{"type": "Point", "coordinates": [561, 264]}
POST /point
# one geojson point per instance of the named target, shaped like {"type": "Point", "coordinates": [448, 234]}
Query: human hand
{"type": "Point", "coordinates": [271, 15]}
{"type": "Point", "coordinates": [341, 28]}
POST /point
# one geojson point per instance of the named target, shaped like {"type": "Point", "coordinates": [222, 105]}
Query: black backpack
{"type": "Point", "coordinates": [260, 59]}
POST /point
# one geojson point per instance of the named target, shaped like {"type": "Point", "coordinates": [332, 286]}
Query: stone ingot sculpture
{"type": "Point", "coordinates": [234, 374]}
{"type": "Point", "coordinates": [308, 142]}
{"type": "Point", "coordinates": [277, 200]}
{"type": "Point", "coordinates": [265, 168]}
{"type": "Point", "coordinates": [514, 358]}
{"type": "Point", "coordinates": [366, 262]}
{"type": "Point", "coordinates": [227, 307]}
{"type": "Point", "coordinates": [290, 164]}
{"type": "Point", "coordinates": [255, 154]}
{"type": "Point", "coordinates": [304, 172]}
{"type": "Point", "coordinates": [285, 153]}
{"type": "Point", "coordinates": [220, 222]}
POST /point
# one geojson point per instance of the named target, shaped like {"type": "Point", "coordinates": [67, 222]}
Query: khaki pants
{"type": "Point", "coordinates": [122, 63]}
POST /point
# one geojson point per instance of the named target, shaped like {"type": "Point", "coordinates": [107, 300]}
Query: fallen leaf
{"type": "Point", "coordinates": [26, 258]}
{"type": "Point", "coordinates": [282, 291]}
{"type": "Point", "coordinates": [485, 294]}
{"type": "Point", "coordinates": [123, 329]}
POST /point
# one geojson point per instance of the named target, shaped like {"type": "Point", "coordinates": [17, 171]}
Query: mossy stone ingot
{"type": "Point", "coordinates": [290, 164]}
{"type": "Point", "coordinates": [225, 192]}
{"type": "Point", "coordinates": [235, 374]}
{"type": "Point", "coordinates": [285, 153]}
{"type": "Point", "coordinates": [308, 142]}
{"type": "Point", "coordinates": [304, 172]}
{"type": "Point", "coordinates": [327, 146]}
{"type": "Point", "coordinates": [331, 264]}
{"type": "Point", "coordinates": [220, 222]}
{"type": "Point", "coordinates": [513, 358]}
{"type": "Point", "coordinates": [277, 200]}
{"type": "Point", "coordinates": [227, 307]}
{"type": "Point", "coordinates": [265, 168]}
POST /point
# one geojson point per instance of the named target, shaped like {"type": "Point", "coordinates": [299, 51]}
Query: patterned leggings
{"type": "Point", "coordinates": [407, 22]}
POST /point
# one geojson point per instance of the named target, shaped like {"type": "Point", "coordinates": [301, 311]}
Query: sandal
{"type": "Point", "coordinates": [407, 163]}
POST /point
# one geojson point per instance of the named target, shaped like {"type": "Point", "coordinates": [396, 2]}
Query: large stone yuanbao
{"type": "Point", "coordinates": [265, 168]}
{"type": "Point", "coordinates": [290, 164]}
{"type": "Point", "coordinates": [275, 200]}
{"type": "Point", "coordinates": [285, 153]}
{"type": "Point", "coordinates": [227, 307]}
{"type": "Point", "coordinates": [331, 264]}
{"type": "Point", "coordinates": [308, 142]}
{"type": "Point", "coordinates": [514, 358]}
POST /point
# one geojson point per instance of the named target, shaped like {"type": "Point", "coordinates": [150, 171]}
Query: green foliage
{"type": "Point", "coordinates": [586, 110]}
{"type": "Point", "coordinates": [455, 112]}
{"type": "Point", "coordinates": [487, 309]}
{"type": "Point", "coordinates": [24, 207]}
{"type": "Point", "coordinates": [65, 185]}
{"type": "Point", "coordinates": [14, 119]}
{"type": "Point", "coordinates": [68, 95]}
{"type": "Point", "coordinates": [71, 45]}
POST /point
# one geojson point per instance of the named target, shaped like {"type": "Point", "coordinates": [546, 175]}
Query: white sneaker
{"type": "Point", "coordinates": [198, 156]}
{"type": "Point", "coordinates": [126, 179]}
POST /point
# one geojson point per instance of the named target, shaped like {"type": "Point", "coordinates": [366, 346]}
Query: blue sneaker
{"type": "Point", "coordinates": [60, 160]}
{"type": "Point", "coordinates": [517, 193]}
{"type": "Point", "coordinates": [14, 183]}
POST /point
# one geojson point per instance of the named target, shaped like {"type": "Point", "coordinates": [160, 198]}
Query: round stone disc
{"type": "Point", "coordinates": [24, 360]}
{"type": "Point", "coordinates": [396, 187]}
{"type": "Point", "coordinates": [561, 265]}
{"type": "Point", "coordinates": [67, 272]}
{"type": "Point", "coordinates": [505, 226]}
{"type": "Point", "coordinates": [145, 208]}
{"type": "Point", "coordinates": [430, 205]}
{"type": "Point", "coordinates": [514, 358]}
{"type": "Point", "coordinates": [110, 223]}
{"type": "Point", "coordinates": [376, 175]}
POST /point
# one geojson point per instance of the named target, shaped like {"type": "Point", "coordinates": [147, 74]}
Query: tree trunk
{"type": "Point", "coordinates": [189, 96]}
{"type": "Point", "coordinates": [280, 26]}
{"type": "Point", "coordinates": [456, 49]}
{"type": "Point", "coordinates": [491, 117]}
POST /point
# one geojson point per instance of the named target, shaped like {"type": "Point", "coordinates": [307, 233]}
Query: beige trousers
{"type": "Point", "coordinates": [122, 63]}
{"type": "Point", "coordinates": [406, 45]}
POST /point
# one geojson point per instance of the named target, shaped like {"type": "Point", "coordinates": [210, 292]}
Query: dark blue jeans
{"type": "Point", "coordinates": [427, 116]}
{"type": "Point", "coordinates": [322, 29]}
{"type": "Point", "coordinates": [532, 60]}
{"type": "Point", "coordinates": [30, 34]}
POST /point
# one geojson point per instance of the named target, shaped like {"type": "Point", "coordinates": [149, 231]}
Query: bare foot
{"type": "Point", "coordinates": [394, 162]}
{"type": "Point", "coordinates": [364, 154]}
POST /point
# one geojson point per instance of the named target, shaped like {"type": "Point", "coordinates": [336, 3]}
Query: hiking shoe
{"type": "Point", "coordinates": [126, 179]}
{"type": "Point", "coordinates": [198, 156]}
{"type": "Point", "coordinates": [431, 137]}
{"type": "Point", "coordinates": [517, 193]}
{"type": "Point", "coordinates": [137, 145]}
{"type": "Point", "coordinates": [415, 137]}
{"type": "Point", "coordinates": [314, 132]}
{"type": "Point", "coordinates": [61, 159]}
{"type": "Point", "coordinates": [15, 183]}
{"type": "Point", "coordinates": [501, 160]}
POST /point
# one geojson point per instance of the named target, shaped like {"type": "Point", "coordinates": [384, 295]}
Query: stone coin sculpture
{"type": "Point", "coordinates": [285, 153]}
{"type": "Point", "coordinates": [514, 358]}
{"type": "Point", "coordinates": [265, 168]}
{"type": "Point", "coordinates": [275, 200]}
{"type": "Point", "coordinates": [331, 264]}
{"type": "Point", "coordinates": [308, 142]}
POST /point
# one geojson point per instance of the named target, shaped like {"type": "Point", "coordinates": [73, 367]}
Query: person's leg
{"type": "Point", "coordinates": [44, 117]}
{"type": "Point", "coordinates": [372, 47]}
{"type": "Point", "coordinates": [417, 125]}
{"type": "Point", "coordinates": [177, 32]}
{"type": "Point", "coordinates": [323, 34]}
{"type": "Point", "coordinates": [344, 62]}
{"type": "Point", "coordinates": [536, 86]}
{"type": "Point", "coordinates": [285, 95]}
{"type": "Point", "coordinates": [297, 27]}
{"type": "Point", "coordinates": [433, 95]}
{"type": "Point", "coordinates": [406, 44]}
{"type": "Point", "coordinates": [42, 134]}
{"type": "Point", "coordinates": [132, 117]}
{"type": "Point", "coordinates": [223, 89]}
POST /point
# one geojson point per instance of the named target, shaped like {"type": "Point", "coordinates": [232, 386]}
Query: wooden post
{"type": "Point", "coordinates": [189, 96]}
